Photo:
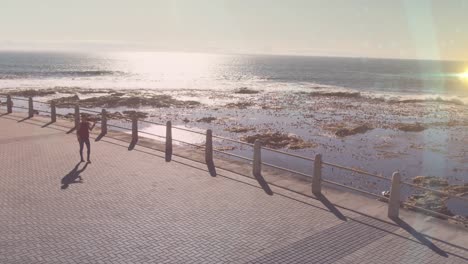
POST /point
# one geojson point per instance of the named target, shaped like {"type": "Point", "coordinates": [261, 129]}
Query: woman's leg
{"type": "Point", "coordinates": [88, 147]}
{"type": "Point", "coordinates": [81, 148]}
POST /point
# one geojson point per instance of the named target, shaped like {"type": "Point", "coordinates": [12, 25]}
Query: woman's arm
{"type": "Point", "coordinates": [91, 127]}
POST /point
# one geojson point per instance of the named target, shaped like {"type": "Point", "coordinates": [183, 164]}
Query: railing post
{"type": "Point", "coordinates": [168, 141]}
{"type": "Point", "coordinates": [77, 116]}
{"type": "Point", "coordinates": [9, 105]}
{"type": "Point", "coordinates": [257, 167]}
{"type": "Point", "coordinates": [317, 177]}
{"type": "Point", "coordinates": [31, 108]}
{"type": "Point", "coordinates": [53, 112]}
{"type": "Point", "coordinates": [209, 152]}
{"type": "Point", "coordinates": [257, 159]}
{"type": "Point", "coordinates": [103, 122]}
{"type": "Point", "coordinates": [134, 128]}
{"type": "Point", "coordinates": [394, 201]}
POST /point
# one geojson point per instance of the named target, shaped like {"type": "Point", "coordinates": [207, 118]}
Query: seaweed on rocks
{"type": "Point", "coordinates": [66, 102]}
{"type": "Point", "coordinates": [116, 100]}
{"type": "Point", "coordinates": [430, 181]}
{"type": "Point", "coordinates": [137, 114]}
{"type": "Point", "coordinates": [32, 92]}
{"type": "Point", "coordinates": [430, 201]}
{"type": "Point", "coordinates": [206, 119]}
{"type": "Point", "coordinates": [125, 115]}
{"type": "Point", "coordinates": [337, 94]}
{"type": "Point", "coordinates": [417, 127]}
{"type": "Point", "coordinates": [277, 140]}
{"type": "Point", "coordinates": [239, 105]}
{"type": "Point", "coordinates": [157, 101]}
{"type": "Point", "coordinates": [343, 132]}
{"type": "Point", "coordinates": [436, 202]}
{"type": "Point", "coordinates": [245, 90]}
{"type": "Point", "coordinates": [239, 129]}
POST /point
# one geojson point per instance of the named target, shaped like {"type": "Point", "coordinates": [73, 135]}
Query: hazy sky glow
{"type": "Point", "coordinates": [360, 28]}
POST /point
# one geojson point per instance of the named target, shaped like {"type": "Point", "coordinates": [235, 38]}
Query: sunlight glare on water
{"type": "Point", "coordinates": [171, 70]}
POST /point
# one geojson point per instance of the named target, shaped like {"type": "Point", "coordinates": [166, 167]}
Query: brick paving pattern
{"type": "Point", "coordinates": [132, 207]}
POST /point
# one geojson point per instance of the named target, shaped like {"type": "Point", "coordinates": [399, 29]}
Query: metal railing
{"type": "Point", "coordinates": [394, 199]}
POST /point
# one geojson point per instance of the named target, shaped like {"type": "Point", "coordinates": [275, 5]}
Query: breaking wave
{"type": "Point", "coordinates": [391, 98]}
{"type": "Point", "coordinates": [58, 74]}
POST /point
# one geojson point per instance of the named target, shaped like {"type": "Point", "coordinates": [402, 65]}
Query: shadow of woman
{"type": "Point", "coordinates": [73, 176]}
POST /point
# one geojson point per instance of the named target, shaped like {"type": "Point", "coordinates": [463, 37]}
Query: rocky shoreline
{"type": "Point", "coordinates": [437, 202]}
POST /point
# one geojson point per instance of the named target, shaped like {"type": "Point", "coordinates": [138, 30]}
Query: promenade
{"type": "Point", "coordinates": [134, 207]}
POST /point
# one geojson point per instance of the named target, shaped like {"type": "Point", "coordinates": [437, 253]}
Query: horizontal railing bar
{"type": "Point", "coordinates": [147, 133]}
{"type": "Point", "coordinates": [287, 153]}
{"type": "Point", "coordinates": [356, 189]}
{"type": "Point", "coordinates": [20, 107]}
{"type": "Point", "coordinates": [191, 144]}
{"type": "Point", "coordinates": [357, 171]}
{"type": "Point", "coordinates": [40, 102]}
{"type": "Point", "coordinates": [119, 127]}
{"type": "Point", "coordinates": [435, 191]}
{"type": "Point", "coordinates": [232, 154]}
{"type": "Point", "coordinates": [151, 122]}
{"type": "Point", "coordinates": [42, 111]}
{"type": "Point", "coordinates": [433, 212]}
{"type": "Point", "coordinates": [288, 170]}
{"type": "Point", "coordinates": [189, 130]}
{"type": "Point", "coordinates": [20, 99]}
{"type": "Point", "coordinates": [89, 110]}
{"type": "Point", "coordinates": [233, 140]}
{"type": "Point", "coordinates": [120, 119]}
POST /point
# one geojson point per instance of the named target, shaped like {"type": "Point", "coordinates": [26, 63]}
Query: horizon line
{"type": "Point", "coordinates": [162, 50]}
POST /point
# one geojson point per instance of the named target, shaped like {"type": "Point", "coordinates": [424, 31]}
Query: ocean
{"type": "Point", "coordinates": [382, 78]}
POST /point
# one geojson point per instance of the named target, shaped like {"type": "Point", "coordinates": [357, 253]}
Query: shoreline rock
{"type": "Point", "coordinates": [417, 127]}
{"type": "Point", "coordinates": [434, 201]}
{"type": "Point", "coordinates": [239, 105]}
{"type": "Point", "coordinates": [117, 100]}
{"type": "Point", "coordinates": [245, 90]}
{"type": "Point", "coordinates": [336, 94]}
{"type": "Point", "coordinates": [206, 119]}
{"type": "Point", "coordinates": [344, 132]}
{"type": "Point", "coordinates": [32, 92]}
{"type": "Point", "coordinates": [277, 140]}
{"type": "Point", "coordinates": [239, 129]}
{"type": "Point", "coordinates": [66, 102]}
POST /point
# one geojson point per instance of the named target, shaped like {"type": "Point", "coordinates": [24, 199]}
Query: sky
{"type": "Point", "coordinates": [413, 29]}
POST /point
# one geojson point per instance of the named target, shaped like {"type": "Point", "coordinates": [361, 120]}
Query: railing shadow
{"type": "Point", "coordinates": [48, 124]}
{"type": "Point", "coordinates": [211, 168]}
{"type": "Point", "coordinates": [24, 119]}
{"type": "Point", "coordinates": [132, 144]}
{"type": "Point", "coordinates": [100, 137]}
{"type": "Point", "coordinates": [331, 207]}
{"type": "Point", "coordinates": [400, 222]}
{"type": "Point", "coordinates": [263, 183]}
{"type": "Point", "coordinates": [71, 130]}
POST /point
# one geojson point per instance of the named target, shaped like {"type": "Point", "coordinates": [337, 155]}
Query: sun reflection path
{"type": "Point", "coordinates": [173, 70]}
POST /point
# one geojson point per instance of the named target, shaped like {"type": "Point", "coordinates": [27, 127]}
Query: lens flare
{"type": "Point", "coordinates": [463, 76]}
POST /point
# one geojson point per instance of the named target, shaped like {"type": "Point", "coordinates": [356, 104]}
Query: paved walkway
{"type": "Point", "coordinates": [133, 207]}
